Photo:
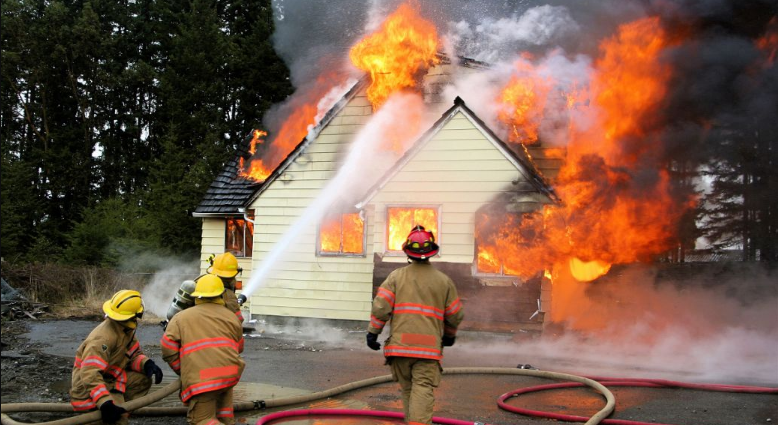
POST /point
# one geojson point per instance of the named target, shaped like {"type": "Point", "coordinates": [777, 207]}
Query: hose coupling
{"type": "Point", "coordinates": [260, 405]}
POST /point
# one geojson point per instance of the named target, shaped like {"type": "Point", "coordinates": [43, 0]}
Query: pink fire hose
{"type": "Point", "coordinates": [606, 381]}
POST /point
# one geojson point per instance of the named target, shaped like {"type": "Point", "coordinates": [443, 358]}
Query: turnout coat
{"type": "Point", "coordinates": [102, 363]}
{"type": "Point", "coordinates": [423, 305]}
{"type": "Point", "coordinates": [203, 344]}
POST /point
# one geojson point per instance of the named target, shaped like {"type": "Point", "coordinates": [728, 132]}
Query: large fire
{"type": "Point", "coordinates": [404, 45]}
{"type": "Point", "coordinates": [303, 110]}
{"type": "Point", "coordinates": [616, 195]}
{"type": "Point", "coordinates": [522, 103]}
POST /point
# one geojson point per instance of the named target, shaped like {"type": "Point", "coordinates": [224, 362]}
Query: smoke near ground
{"type": "Point", "coordinates": [159, 292]}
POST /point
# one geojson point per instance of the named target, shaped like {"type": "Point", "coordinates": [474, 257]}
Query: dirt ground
{"type": "Point", "coordinates": [37, 356]}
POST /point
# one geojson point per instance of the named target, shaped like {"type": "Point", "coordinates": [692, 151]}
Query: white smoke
{"type": "Point", "coordinates": [491, 40]}
{"type": "Point", "coordinates": [158, 294]}
{"type": "Point", "coordinates": [365, 162]}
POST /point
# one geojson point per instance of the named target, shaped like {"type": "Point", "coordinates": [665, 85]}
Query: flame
{"type": "Point", "coordinates": [256, 170]}
{"type": "Point", "coordinates": [768, 43]}
{"type": "Point", "coordinates": [402, 220]}
{"type": "Point", "coordinates": [404, 45]}
{"type": "Point", "coordinates": [587, 271]}
{"type": "Point", "coordinates": [522, 102]}
{"type": "Point", "coordinates": [342, 233]}
{"type": "Point", "coordinates": [610, 213]}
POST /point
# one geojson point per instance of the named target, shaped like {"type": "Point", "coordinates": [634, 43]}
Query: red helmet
{"type": "Point", "coordinates": [420, 244]}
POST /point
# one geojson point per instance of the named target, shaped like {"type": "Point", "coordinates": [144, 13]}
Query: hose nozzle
{"type": "Point", "coordinates": [242, 299]}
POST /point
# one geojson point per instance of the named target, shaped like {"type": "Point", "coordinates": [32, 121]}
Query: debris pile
{"type": "Point", "coordinates": [15, 305]}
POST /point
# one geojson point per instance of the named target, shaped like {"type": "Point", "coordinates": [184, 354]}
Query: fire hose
{"type": "Point", "coordinates": [138, 406]}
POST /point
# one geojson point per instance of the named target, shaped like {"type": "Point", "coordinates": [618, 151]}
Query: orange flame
{"type": "Point", "coordinates": [523, 101]}
{"type": "Point", "coordinates": [256, 170]}
{"type": "Point", "coordinates": [342, 233]}
{"type": "Point", "coordinates": [404, 45]}
{"type": "Point", "coordinates": [609, 215]}
{"type": "Point", "coordinates": [402, 220]}
{"type": "Point", "coordinates": [303, 111]}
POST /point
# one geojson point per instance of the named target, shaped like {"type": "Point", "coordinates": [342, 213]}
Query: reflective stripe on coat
{"type": "Point", "coordinates": [104, 357]}
{"type": "Point", "coordinates": [423, 305]}
{"type": "Point", "coordinates": [203, 344]}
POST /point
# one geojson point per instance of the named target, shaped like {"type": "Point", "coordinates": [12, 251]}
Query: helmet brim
{"type": "Point", "coordinates": [423, 255]}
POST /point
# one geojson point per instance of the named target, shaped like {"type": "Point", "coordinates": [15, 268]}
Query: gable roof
{"type": "Point", "coordinates": [522, 164]}
{"type": "Point", "coordinates": [230, 193]}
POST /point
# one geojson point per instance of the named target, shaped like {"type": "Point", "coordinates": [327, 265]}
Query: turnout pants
{"type": "Point", "coordinates": [418, 379]}
{"type": "Point", "coordinates": [211, 408]}
{"type": "Point", "coordinates": [138, 385]}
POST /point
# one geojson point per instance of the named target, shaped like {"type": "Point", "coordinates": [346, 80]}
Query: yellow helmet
{"type": "Point", "coordinates": [208, 286]}
{"type": "Point", "coordinates": [124, 305]}
{"type": "Point", "coordinates": [224, 265]}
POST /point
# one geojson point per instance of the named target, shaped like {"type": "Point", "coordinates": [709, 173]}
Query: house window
{"type": "Point", "coordinates": [239, 238]}
{"type": "Point", "coordinates": [400, 221]}
{"type": "Point", "coordinates": [502, 241]}
{"type": "Point", "coordinates": [342, 234]}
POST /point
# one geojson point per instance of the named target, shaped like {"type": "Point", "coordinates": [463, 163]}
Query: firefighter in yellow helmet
{"type": "Point", "coordinates": [425, 311]}
{"type": "Point", "coordinates": [110, 367]}
{"type": "Point", "coordinates": [226, 267]}
{"type": "Point", "coordinates": [203, 344]}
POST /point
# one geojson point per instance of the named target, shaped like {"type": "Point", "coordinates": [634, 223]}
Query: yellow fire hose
{"type": "Point", "coordinates": [138, 406]}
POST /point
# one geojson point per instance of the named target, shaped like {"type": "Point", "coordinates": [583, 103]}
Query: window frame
{"type": "Point", "coordinates": [340, 253]}
{"type": "Point", "coordinates": [438, 208]}
{"type": "Point", "coordinates": [248, 248]}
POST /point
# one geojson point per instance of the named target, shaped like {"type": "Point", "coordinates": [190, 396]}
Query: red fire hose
{"type": "Point", "coordinates": [619, 382]}
{"type": "Point", "coordinates": [606, 381]}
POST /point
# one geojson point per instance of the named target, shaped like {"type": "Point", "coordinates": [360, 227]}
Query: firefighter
{"type": "Point", "coordinates": [425, 311]}
{"type": "Point", "coordinates": [226, 267]}
{"type": "Point", "coordinates": [110, 367]}
{"type": "Point", "coordinates": [203, 344]}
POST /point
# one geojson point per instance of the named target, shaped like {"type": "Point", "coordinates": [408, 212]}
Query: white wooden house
{"type": "Point", "coordinates": [466, 168]}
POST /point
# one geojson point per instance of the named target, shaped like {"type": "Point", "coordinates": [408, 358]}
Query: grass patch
{"type": "Point", "coordinates": [69, 291]}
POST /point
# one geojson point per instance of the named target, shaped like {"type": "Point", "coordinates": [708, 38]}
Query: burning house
{"type": "Point", "coordinates": [458, 179]}
{"type": "Point", "coordinates": [535, 175]}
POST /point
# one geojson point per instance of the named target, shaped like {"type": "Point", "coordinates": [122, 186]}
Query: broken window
{"type": "Point", "coordinates": [239, 238]}
{"type": "Point", "coordinates": [342, 234]}
{"type": "Point", "coordinates": [400, 221]}
{"type": "Point", "coordinates": [500, 239]}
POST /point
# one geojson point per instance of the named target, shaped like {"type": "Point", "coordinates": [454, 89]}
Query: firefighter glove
{"type": "Point", "coordinates": [372, 341]}
{"type": "Point", "coordinates": [110, 412]}
{"type": "Point", "coordinates": [448, 341]}
{"type": "Point", "coordinates": [151, 368]}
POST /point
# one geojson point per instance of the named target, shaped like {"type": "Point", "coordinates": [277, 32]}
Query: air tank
{"type": "Point", "coordinates": [183, 298]}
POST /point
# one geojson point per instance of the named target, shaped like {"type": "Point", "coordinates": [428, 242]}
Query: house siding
{"type": "Point", "coordinates": [213, 235]}
{"type": "Point", "coordinates": [458, 170]}
{"type": "Point", "coordinates": [302, 284]}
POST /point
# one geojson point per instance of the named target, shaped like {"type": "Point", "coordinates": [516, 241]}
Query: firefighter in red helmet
{"type": "Point", "coordinates": [425, 311]}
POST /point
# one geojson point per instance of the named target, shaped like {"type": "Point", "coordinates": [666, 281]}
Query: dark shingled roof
{"type": "Point", "coordinates": [228, 191]}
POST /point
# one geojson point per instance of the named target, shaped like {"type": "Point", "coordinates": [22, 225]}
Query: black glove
{"type": "Point", "coordinates": [151, 368]}
{"type": "Point", "coordinates": [110, 412]}
{"type": "Point", "coordinates": [448, 341]}
{"type": "Point", "coordinates": [372, 341]}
